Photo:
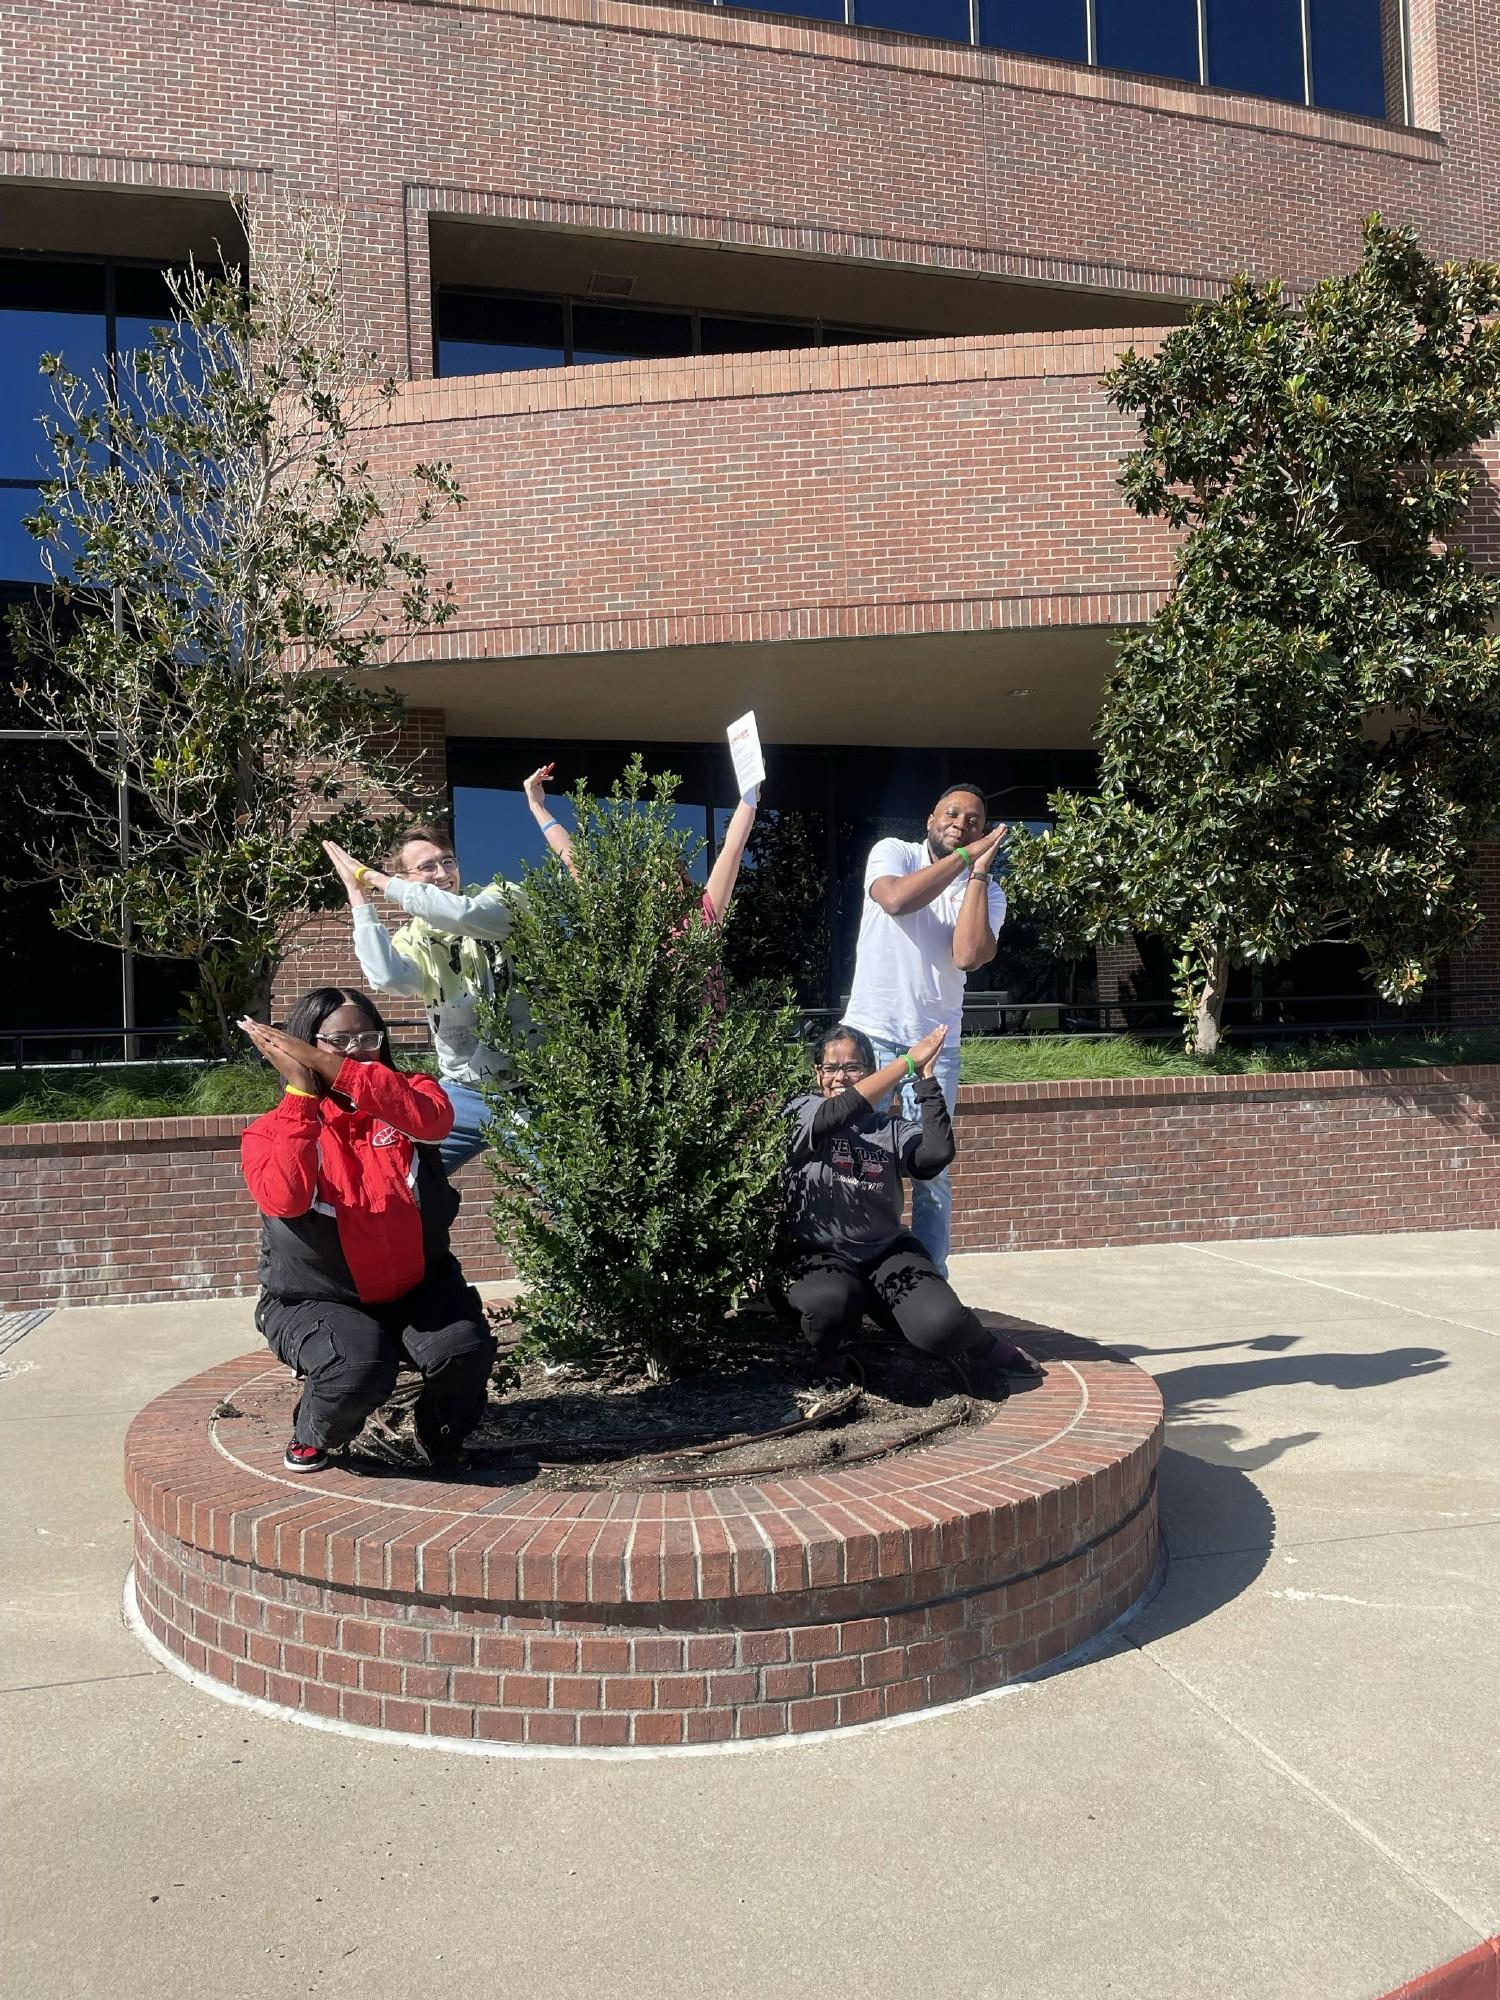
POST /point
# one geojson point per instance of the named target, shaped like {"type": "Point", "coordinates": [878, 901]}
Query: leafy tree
{"type": "Point", "coordinates": [1304, 742]}
{"type": "Point", "coordinates": [226, 563]}
{"type": "Point", "coordinates": [781, 929]}
{"type": "Point", "coordinates": [639, 1201]}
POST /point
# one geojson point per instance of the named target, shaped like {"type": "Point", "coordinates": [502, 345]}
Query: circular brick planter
{"type": "Point", "coordinates": [743, 1611]}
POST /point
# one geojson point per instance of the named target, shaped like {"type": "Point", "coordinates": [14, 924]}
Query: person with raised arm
{"type": "Point", "coordinates": [356, 1274]}
{"type": "Point", "coordinates": [931, 915]}
{"type": "Point", "coordinates": [849, 1156]}
{"type": "Point", "coordinates": [451, 955]}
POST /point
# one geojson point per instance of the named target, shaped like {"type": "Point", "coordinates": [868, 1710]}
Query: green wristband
{"type": "Point", "coordinates": [911, 1068]}
{"type": "Point", "coordinates": [968, 857]}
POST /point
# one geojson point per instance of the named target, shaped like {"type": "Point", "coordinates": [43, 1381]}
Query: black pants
{"type": "Point", "coordinates": [902, 1287]}
{"type": "Point", "coordinates": [347, 1357]}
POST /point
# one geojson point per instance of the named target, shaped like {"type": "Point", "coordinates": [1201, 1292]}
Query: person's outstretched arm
{"type": "Point", "coordinates": [554, 832]}
{"type": "Point", "coordinates": [899, 895]}
{"type": "Point", "coordinates": [387, 969]}
{"type": "Point", "coordinates": [485, 914]}
{"type": "Point", "coordinates": [870, 1091]}
{"type": "Point", "coordinates": [726, 869]}
{"type": "Point", "coordinates": [929, 1147]}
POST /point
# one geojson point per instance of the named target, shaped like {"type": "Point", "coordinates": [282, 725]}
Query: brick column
{"type": "Point", "coordinates": [322, 953]}
{"type": "Point", "coordinates": [1116, 965]}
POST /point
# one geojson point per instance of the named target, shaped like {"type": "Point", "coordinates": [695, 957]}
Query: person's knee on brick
{"type": "Point", "coordinates": [924, 1306]}
{"type": "Point", "coordinates": [455, 1362]}
{"type": "Point", "coordinates": [829, 1303]}
{"type": "Point", "coordinates": [348, 1369]}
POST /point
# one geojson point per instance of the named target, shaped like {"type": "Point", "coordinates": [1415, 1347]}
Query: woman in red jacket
{"type": "Point", "coordinates": [355, 1269]}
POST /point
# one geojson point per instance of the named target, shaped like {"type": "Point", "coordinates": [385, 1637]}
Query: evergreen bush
{"type": "Point", "coordinates": [639, 1200]}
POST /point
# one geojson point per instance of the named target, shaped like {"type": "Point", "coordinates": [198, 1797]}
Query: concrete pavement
{"type": "Point", "coordinates": [1282, 1781]}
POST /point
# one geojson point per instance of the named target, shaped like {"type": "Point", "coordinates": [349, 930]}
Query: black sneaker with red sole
{"type": "Point", "coordinates": [304, 1457]}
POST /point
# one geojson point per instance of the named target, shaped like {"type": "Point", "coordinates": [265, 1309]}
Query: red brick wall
{"type": "Point", "coordinates": [710, 125]}
{"type": "Point", "coordinates": [1476, 972]}
{"type": "Point", "coordinates": [157, 1209]}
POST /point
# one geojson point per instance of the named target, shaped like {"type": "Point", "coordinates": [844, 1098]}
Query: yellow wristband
{"type": "Point", "coordinates": [293, 1091]}
{"type": "Point", "coordinates": [359, 875]}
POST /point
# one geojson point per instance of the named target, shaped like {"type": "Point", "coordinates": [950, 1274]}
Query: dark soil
{"type": "Point", "coordinates": [757, 1411]}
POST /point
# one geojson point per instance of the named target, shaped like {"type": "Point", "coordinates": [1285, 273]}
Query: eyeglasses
{"type": "Point", "coordinates": [843, 1069]}
{"type": "Point", "coordinates": [439, 864]}
{"type": "Point", "coordinates": [368, 1040]}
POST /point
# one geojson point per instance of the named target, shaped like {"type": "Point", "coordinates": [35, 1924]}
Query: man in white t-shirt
{"type": "Point", "coordinates": [931, 915]}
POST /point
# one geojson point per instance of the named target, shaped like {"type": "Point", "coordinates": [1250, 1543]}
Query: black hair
{"type": "Point", "coordinates": [864, 1048]}
{"type": "Point", "coordinates": [974, 791]}
{"type": "Point", "coordinates": [313, 1009]}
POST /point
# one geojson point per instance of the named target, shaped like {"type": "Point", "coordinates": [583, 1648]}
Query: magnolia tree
{"type": "Point", "coordinates": [1304, 743]}
{"type": "Point", "coordinates": [226, 565]}
{"type": "Point", "coordinates": [639, 1198]}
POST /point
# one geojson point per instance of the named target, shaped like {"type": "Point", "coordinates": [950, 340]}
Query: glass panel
{"type": "Point", "coordinates": [495, 833]}
{"type": "Point", "coordinates": [1256, 48]}
{"type": "Point", "coordinates": [1036, 27]}
{"type": "Point", "coordinates": [1348, 59]}
{"type": "Point", "coordinates": [20, 555]}
{"type": "Point", "coordinates": [808, 10]}
{"type": "Point", "coordinates": [44, 284]}
{"type": "Point", "coordinates": [753, 336]}
{"type": "Point", "coordinates": [1158, 37]}
{"type": "Point", "coordinates": [24, 338]}
{"type": "Point", "coordinates": [481, 335]}
{"type": "Point", "coordinates": [615, 333]}
{"type": "Point", "coordinates": [943, 20]}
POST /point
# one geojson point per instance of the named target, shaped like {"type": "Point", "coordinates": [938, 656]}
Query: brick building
{"type": "Point", "coordinates": [765, 344]}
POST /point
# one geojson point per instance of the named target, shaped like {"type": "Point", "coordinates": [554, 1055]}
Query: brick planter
{"type": "Point", "coordinates": [156, 1208]}
{"type": "Point", "coordinates": [744, 1611]}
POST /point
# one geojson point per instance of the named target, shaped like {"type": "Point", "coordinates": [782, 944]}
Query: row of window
{"type": "Point", "coordinates": [486, 333]}
{"type": "Point", "coordinates": [90, 313]}
{"type": "Point", "coordinates": [1324, 52]}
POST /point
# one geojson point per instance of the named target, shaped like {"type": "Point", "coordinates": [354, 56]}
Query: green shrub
{"type": "Point", "coordinates": [639, 1202]}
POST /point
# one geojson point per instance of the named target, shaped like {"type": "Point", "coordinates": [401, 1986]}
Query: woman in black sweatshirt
{"type": "Point", "coordinates": [850, 1156]}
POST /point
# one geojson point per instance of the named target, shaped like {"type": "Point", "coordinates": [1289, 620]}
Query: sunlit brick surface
{"type": "Point", "coordinates": [761, 1608]}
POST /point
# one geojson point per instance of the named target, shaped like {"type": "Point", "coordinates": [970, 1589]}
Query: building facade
{"type": "Point", "coordinates": [765, 345]}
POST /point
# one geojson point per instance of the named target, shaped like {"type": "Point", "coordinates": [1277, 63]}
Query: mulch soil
{"type": "Point", "coordinates": [756, 1408]}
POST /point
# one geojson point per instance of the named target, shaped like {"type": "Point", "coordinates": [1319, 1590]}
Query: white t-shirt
{"type": "Point", "coordinates": [905, 981]}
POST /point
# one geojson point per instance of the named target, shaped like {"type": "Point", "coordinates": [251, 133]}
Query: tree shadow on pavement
{"type": "Point", "coordinates": [1219, 1528]}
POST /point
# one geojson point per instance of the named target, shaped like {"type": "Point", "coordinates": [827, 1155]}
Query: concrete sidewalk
{"type": "Point", "coordinates": [1282, 1782]}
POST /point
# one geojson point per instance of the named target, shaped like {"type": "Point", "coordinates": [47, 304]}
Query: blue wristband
{"type": "Point", "coordinates": [549, 824]}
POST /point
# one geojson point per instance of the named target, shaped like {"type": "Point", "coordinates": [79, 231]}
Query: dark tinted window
{"type": "Point", "coordinates": [20, 556]}
{"type": "Point", "coordinates": [1348, 62]}
{"type": "Point", "coordinates": [1256, 48]}
{"type": "Point", "coordinates": [1036, 27]}
{"type": "Point", "coordinates": [943, 20]}
{"type": "Point", "coordinates": [1157, 36]}
{"type": "Point", "coordinates": [752, 336]}
{"type": "Point", "coordinates": [25, 394]}
{"type": "Point", "coordinates": [809, 10]}
{"type": "Point", "coordinates": [479, 335]}
{"type": "Point", "coordinates": [615, 333]}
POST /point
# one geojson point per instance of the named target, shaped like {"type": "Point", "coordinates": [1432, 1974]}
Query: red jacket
{"type": "Point", "coordinates": [353, 1210]}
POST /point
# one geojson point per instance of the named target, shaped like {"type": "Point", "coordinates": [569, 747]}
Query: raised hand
{"type": "Point", "coordinates": [982, 851]}
{"type": "Point", "coordinates": [356, 880]}
{"type": "Point", "coordinates": [926, 1052]}
{"type": "Point", "coordinates": [299, 1063]}
{"type": "Point", "coordinates": [535, 787]}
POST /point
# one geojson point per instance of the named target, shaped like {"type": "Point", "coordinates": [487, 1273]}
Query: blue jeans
{"type": "Point", "coordinates": [471, 1115]}
{"type": "Point", "coordinates": [931, 1201]}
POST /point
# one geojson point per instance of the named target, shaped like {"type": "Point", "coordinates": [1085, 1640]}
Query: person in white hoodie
{"type": "Point", "coordinates": [451, 956]}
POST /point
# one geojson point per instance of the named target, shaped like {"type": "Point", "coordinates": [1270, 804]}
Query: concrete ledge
{"type": "Point", "coordinates": [729, 1613]}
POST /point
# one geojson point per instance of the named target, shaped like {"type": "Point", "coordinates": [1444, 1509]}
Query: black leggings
{"type": "Point", "coordinates": [348, 1355]}
{"type": "Point", "coordinates": [902, 1287]}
